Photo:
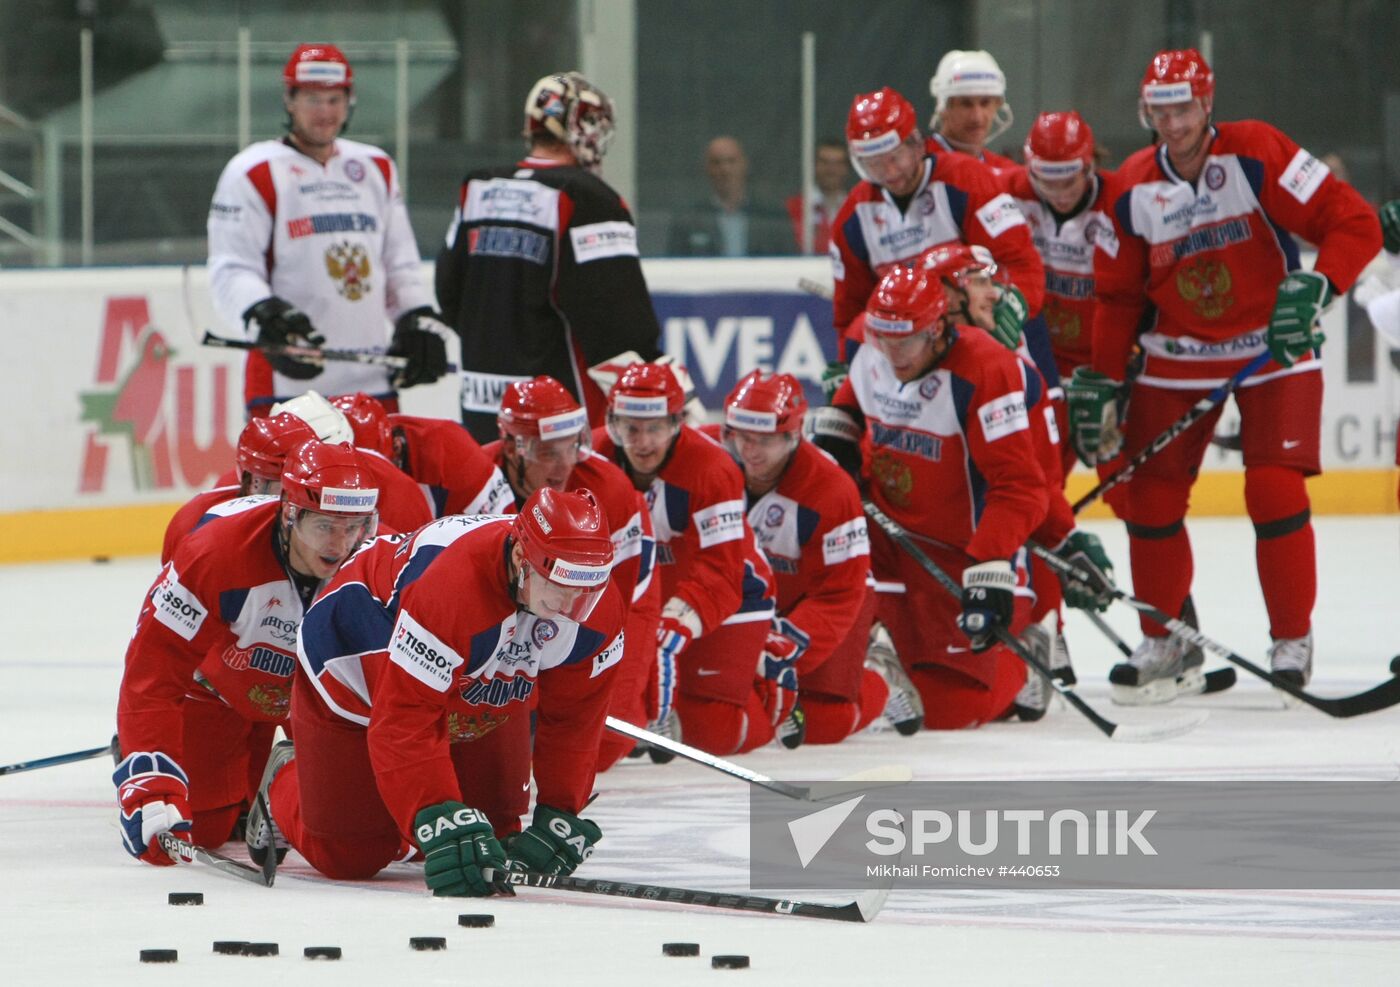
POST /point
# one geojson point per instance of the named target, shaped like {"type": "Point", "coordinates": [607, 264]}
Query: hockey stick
{"type": "Point", "coordinates": [1378, 697]}
{"type": "Point", "coordinates": [57, 759]}
{"type": "Point", "coordinates": [1217, 680]}
{"type": "Point", "coordinates": [1131, 732]}
{"type": "Point", "coordinates": [864, 909]}
{"type": "Point", "coordinates": [815, 288]}
{"type": "Point", "coordinates": [313, 352]}
{"type": "Point", "coordinates": [1197, 411]}
{"type": "Point", "coordinates": [892, 774]}
{"type": "Point", "coordinates": [182, 852]}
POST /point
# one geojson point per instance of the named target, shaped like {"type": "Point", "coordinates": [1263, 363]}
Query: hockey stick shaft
{"type": "Point", "coordinates": [1197, 411]}
{"type": "Point", "coordinates": [852, 912]}
{"type": "Point", "coordinates": [1105, 725]}
{"type": "Point", "coordinates": [1378, 697]}
{"type": "Point", "coordinates": [815, 288]}
{"type": "Point", "coordinates": [704, 757]}
{"type": "Point", "coordinates": [181, 852]}
{"type": "Point", "coordinates": [57, 759]}
{"type": "Point", "coordinates": [313, 352]}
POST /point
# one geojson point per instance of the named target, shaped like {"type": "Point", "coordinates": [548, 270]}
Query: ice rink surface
{"type": "Point", "coordinates": [76, 909]}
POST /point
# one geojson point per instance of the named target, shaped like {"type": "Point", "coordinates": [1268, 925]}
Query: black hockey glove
{"type": "Point", "coordinates": [988, 597]}
{"type": "Point", "coordinates": [280, 323]}
{"type": "Point", "coordinates": [421, 337]}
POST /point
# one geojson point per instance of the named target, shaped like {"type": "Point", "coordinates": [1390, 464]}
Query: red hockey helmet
{"type": "Point", "coordinates": [953, 261]}
{"type": "Point", "coordinates": [1060, 145]}
{"type": "Point", "coordinates": [541, 408]}
{"type": "Point", "coordinates": [878, 122]}
{"type": "Point", "coordinates": [368, 420]}
{"type": "Point", "coordinates": [329, 479]}
{"type": "Point", "coordinates": [1176, 77]}
{"type": "Point", "coordinates": [766, 403]}
{"type": "Point", "coordinates": [646, 390]}
{"type": "Point", "coordinates": [907, 300]}
{"type": "Point", "coordinates": [318, 66]}
{"type": "Point", "coordinates": [571, 109]}
{"type": "Point", "coordinates": [263, 446]}
{"type": "Point", "coordinates": [568, 552]}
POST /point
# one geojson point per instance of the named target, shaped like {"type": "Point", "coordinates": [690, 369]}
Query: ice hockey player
{"type": "Point", "coordinates": [941, 408]}
{"type": "Point", "coordinates": [806, 514]}
{"type": "Point", "coordinates": [310, 243]}
{"type": "Point", "coordinates": [209, 669]}
{"type": "Point", "coordinates": [540, 274]}
{"type": "Point", "coordinates": [1376, 294]}
{"type": "Point", "coordinates": [716, 587]}
{"type": "Point", "coordinates": [1200, 238]}
{"type": "Point", "coordinates": [970, 109]}
{"type": "Point", "coordinates": [453, 473]}
{"type": "Point", "coordinates": [545, 442]}
{"type": "Point", "coordinates": [421, 669]}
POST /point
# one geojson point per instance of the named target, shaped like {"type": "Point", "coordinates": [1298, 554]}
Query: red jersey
{"type": "Point", "coordinates": [998, 163]}
{"type": "Point", "coordinates": [1066, 247]}
{"type": "Point", "coordinates": [957, 199]}
{"type": "Point", "coordinates": [1206, 258]}
{"type": "Point", "coordinates": [413, 630]}
{"type": "Point", "coordinates": [455, 475]}
{"type": "Point", "coordinates": [952, 457]}
{"type": "Point", "coordinates": [187, 518]}
{"type": "Point", "coordinates": [705, 552]}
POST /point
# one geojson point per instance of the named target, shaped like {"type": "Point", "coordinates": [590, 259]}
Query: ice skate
{"type": "Point", "coordinates": [1290, 659]}
{"type": "Point", "coordinates": [1031, 702]}
{"type": "Point", "coordinates": [1161, 669]}
{"type": "Point", "coordinates": [262, 832]}
{"type": "Point", "coordinates": [905, 707]}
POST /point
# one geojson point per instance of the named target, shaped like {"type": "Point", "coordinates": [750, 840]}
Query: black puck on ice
{"type": "Point", "coordinates": [732, 962]}
{"type": "Point", "coordinates": [476, 921]}
{"type": "Point", "coordinates": [680, 949]}
{"type": "Point", "coordinates": [258, 949]}
{"type": "Point", "coordinates": [321, 952]}
{"type": "Point", "coordinates": [159, 956]}
{"type": "Point", "coordinates": [186, 898]}
{"type": "Point", "coordinates": [428, 942]}
{"type": "Point", "coordinates": [230, 947]}
{"type": "Point", "coordinates": [1395, 665]}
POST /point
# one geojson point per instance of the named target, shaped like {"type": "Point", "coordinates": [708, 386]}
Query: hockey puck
{"type": "Point", "coordinates": [1395, 665]}
{"type": "Point", "coordinates": [186, 898]}
{"type": "Point", "coordinates": [733, 962]}
{"type": "Point", "coordinates": [321, 952]}
{"type": "Point", "coordinates": [476, 921]}
{"type": "Point", "coordinates": [428, 942]}
{"type": "Point", "coordinates": [680, 949]}
{"type": "Point", "coordinates": [159, 956]}
{"type": "Point", "coordinates": [230, 947]}
{"type": "Point", "coordinates": [258, 949]}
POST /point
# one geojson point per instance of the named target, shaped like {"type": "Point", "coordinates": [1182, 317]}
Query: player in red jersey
{"type": "Point", "coordinates": [716, 587]}
{"type": "Point", "coordinates": [1199, 243]}
{"type": "Point", "coordinates": [420, 668]}
{"type": "Point", "coordinates": [209, 668]}
{"type": "Point", "coordinates": [805, 513]}
{"type": "Point", "coordinates": [545, 442]}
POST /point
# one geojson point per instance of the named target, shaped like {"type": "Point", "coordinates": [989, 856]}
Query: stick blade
{"type": "Point", "coordinates": [883, 776]}
{"type": "Point", "coordinates": [1146, 733]}
{"type": "Point", "coordinates": [870, 902]}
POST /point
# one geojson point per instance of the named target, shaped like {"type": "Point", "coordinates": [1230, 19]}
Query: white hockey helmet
{"type": "Point", "coordinates": [969, 73]}
{"type": "Point", "coordinates": [328, 421]}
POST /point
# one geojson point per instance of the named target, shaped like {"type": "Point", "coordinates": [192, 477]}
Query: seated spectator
{"type": "Point", "coordinates": [832, 175]}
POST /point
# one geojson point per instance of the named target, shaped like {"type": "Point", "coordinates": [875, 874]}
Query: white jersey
{"type": "Point", "coordinates": [333, 239]}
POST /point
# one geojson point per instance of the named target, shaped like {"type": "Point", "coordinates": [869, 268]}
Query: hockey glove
{"type": "Point", "coordinates": [679, 625]}
{"type": "Point", "coordinates": [280, 323]}
{"type": "Point", "coordinates": [153, 794]}
{"type": "Point", "coordinates": [1390, 226]}
{"type": "Point", "coordinates": [1293, 332]}
{"type": "Point", "coordinates": [1009, 316]}
{"type": "Point", "coordinates": [838, 434]}
{"type": "Point", "coordinates": [555, 842]}
{"type": "Point", "coordinates": [457, 842]}
{"type": "Point", "coordinates": [1083, 550]}
{"type": "Point", "coordinates": [987, 600]}
{"type": "Point", "coordinates": [420, 336]}
{"type": "Point", "coordinates": [778, 661]}
{"type": "Point", "coordinates": [833, 377]}
{"type": "Point", "coordinates": [1093, 416]}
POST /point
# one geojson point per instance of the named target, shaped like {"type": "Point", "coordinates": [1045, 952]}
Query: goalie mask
{"type": "Point", "coordinates": [573, 111]}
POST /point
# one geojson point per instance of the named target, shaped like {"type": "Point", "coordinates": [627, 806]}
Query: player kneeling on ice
{"type": "Point", "coordinates": [942, 410]}
{"type": "Point", "coordinates": [806, 515]}
{"type": "Point", "coordinates": [545, 442]}
{"type": "Point", "coordinates": [209, 670]}
{"type": "Point", "coordinates": [420, 667]}
{"type": "Point", "coordinates": [715, 584]}
{"type": "Point", "coordinates": [969, 277]}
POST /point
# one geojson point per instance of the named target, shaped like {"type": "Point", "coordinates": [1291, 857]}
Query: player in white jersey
{"type": "Point", "coordinates": [309, 243]}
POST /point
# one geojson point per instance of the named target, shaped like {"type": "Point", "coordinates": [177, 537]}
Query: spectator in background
{"type": "Point", "coordinates": [729, 223]}
{"type": "Point", "coordinates": [832, 174]}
